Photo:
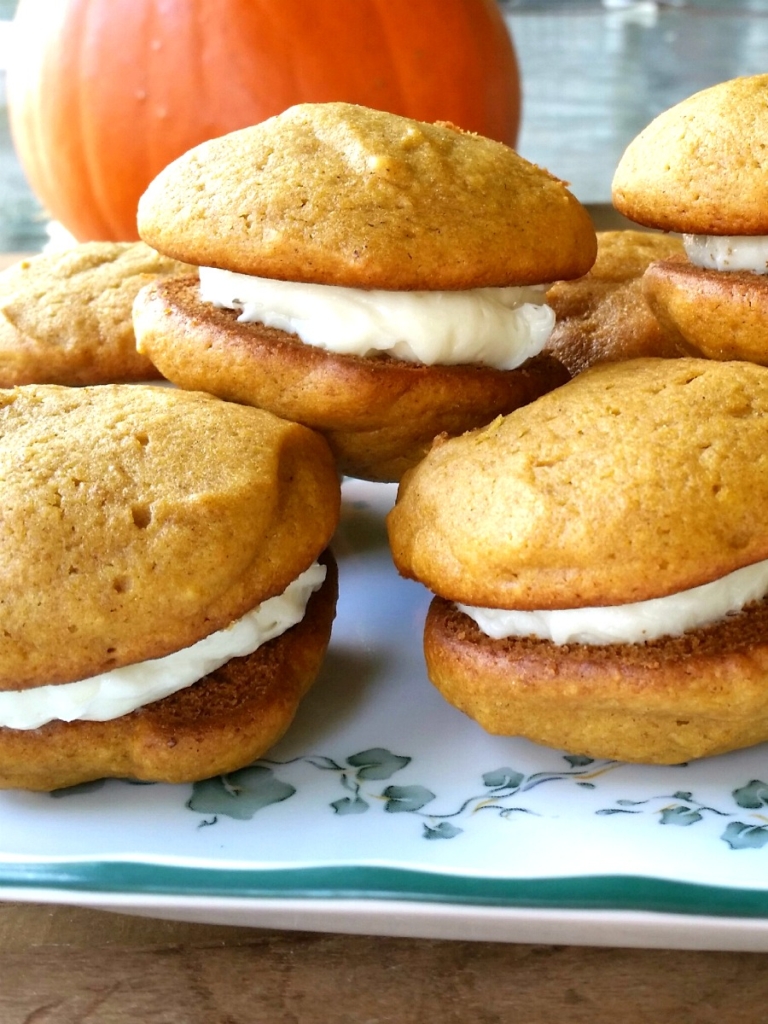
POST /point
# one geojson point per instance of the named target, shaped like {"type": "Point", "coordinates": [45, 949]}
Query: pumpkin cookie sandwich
{"type": "Point", "coordinates": [373, 277]}
{"type": "Point", "coordinates": [167, 595]}
{"type": "Point", "coordinates": [65, 317]}
{"type": "Point", "coordinates": [601, 562]}
{"type": "Point", "coordinates": [701, 169]}
{"type": "Point", "coordinates": [604, 316]}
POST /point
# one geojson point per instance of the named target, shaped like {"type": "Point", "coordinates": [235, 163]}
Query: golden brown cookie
{"type": "Point", "coordinates": [720, 315]}
{"type": "Point", "coordinates": [226, 720]}
{"type": "Point", "coordinates": [340, 194]}
{"type": "Point", "coordinates": [663, 702]}
{"type": "Point", "coordinates": [379, 415]}
{"type": "Point", "coordinates": [701, 167]}
{"type": "Point", "coordinates": [138, 519]}
{"type": "Point", "coordinates": [634, 482]}
{"type": "Point", "coordinates": [605, 316]}
{"type": "Point", "coordinates": [65, 317]}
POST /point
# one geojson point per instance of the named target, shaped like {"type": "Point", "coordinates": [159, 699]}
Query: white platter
{"type": "Point", "coordinates": [386, 811]}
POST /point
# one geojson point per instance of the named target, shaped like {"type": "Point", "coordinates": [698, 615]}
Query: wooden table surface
{"type": "Point", "coordinates": [62, 965]}
{"type": "Point", "coordinates": [66, 965]}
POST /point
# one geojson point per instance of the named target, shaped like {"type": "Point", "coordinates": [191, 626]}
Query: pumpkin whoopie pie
{"type": "Point", "coordinates": [604, 316]}
{"type": "Point", "coordinates": [373, 277]}
{"type": "Point", "coordinates": [66, 316]}
{"type": "Point", "coordinates": [701, 169]}
{"type": "Point", "coordinates": [167, 596]}
{"type": "Point", "coordinates": [601, 562]}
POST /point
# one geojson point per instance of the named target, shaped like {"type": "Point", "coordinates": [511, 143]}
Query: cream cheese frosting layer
{"type": "Point", "coordinates": [728, 252]}
{"type": "Point", "coordinates": [122, 690]}
{"type": "Point", "coordinates": [631, 623]}
{"type": "Point", "coordinates": [498, 327]}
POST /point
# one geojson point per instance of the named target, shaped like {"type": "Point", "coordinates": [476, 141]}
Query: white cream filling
{"type": "Point", "coordinates": [728, 252]}
{"type": "Point", "coordinates": [631, 623]}
{"type": "Point", "coordinates": [499, 327]}
{"type": "Point", "coordinates": [122, 690]}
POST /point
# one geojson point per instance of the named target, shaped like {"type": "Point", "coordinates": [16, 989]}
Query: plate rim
{"type": "Point", "coordinates": [615, 928]}
{"type": "Point", "coordinates": [578, 892]}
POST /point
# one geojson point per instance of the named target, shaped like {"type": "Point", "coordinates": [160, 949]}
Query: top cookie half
{"type": "Point", "coordinates": [636, 480]}
{"type": "Point", "coordinates": [340, 194]}
{"type": "Point", "coordinates": [138, 520]}
{"type": "Point", "coordinates": [701, 167]}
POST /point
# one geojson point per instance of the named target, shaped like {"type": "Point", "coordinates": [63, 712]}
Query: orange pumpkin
{"type": "Point", "coordinates": [102, 94]}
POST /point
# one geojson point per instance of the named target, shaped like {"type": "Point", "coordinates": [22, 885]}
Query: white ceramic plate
{"type": "Point", "coordinates": [385, 810]}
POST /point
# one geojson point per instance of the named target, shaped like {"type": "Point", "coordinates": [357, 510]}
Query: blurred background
{"type": "Point", "coordinates": [593, 75]}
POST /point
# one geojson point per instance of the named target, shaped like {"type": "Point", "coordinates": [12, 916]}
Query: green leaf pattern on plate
{"type": "Point", "coordinates": [241, 794]}
{"type": "Point", "coordinates": [740, 836]}
{"type": "Point", "coordinates": [503, 794]}
{"type": "Point", "coordinates": [406, 798]}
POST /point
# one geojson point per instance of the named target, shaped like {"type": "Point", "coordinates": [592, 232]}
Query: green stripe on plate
{"type": "Point", "coordinates": [613, 892]}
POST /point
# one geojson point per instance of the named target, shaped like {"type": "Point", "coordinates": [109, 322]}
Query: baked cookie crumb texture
{"type": "Point", "coordinates": [342, 196]}
{"type": "Point", "coordinates": [606, 315]}
{"type": "Point", "coordinates": [65, 317]}
{"type": "Point", "coordinates": [636, 481]}
{"type": "Point", "coordinates": [138, 520]}
{"type": "Point", "coordinates": [221, 723]}
{"type": "Point", "coordinates": [701, 169]}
